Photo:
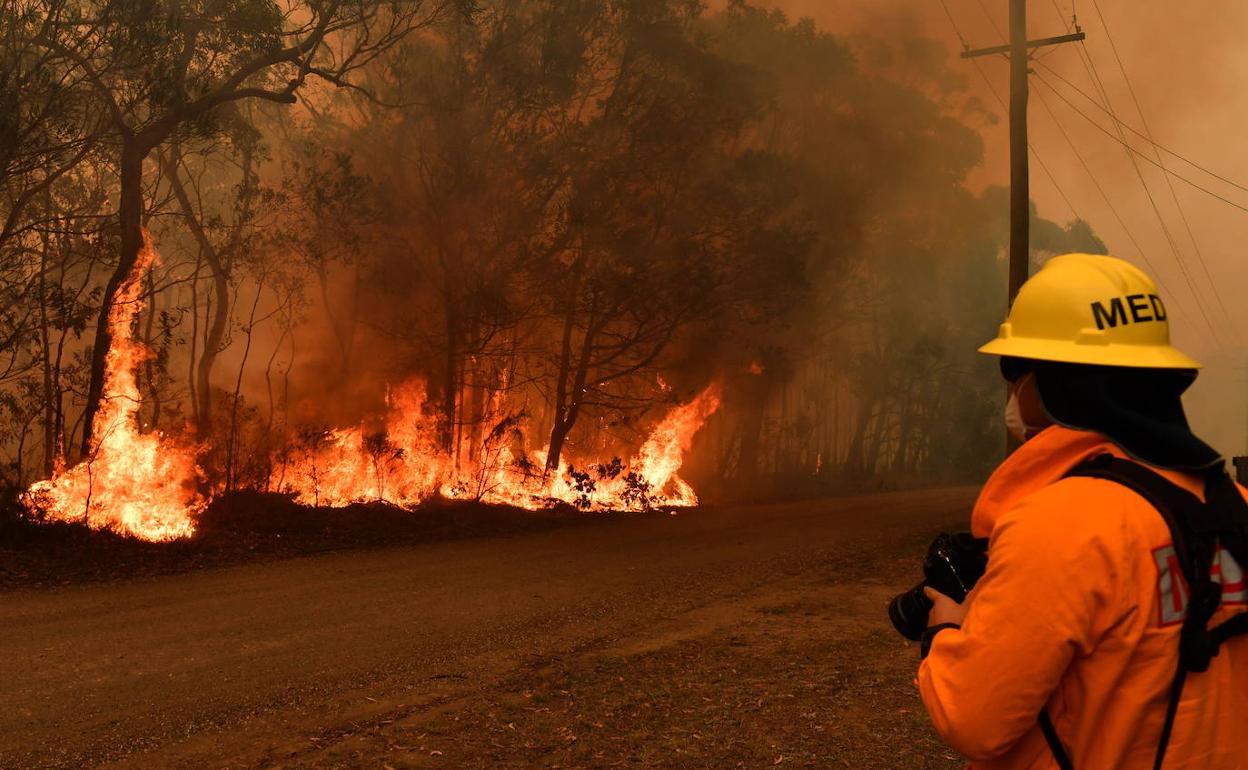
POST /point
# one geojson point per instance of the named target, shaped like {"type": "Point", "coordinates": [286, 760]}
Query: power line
{"type": "Point", "coordinates": [1030, 147]}
{"type": "Point", "coordinates": [1104, 195]}
{"type": "Point", "coordinates": [1095, 123]}
{"type": "Point", "coordinates": [1195, 294]}
{"type": "Point", "coordinates": [1073, 24]}
{"type": "Point", "coordinates": [1000, 101]}
{"type": "Point", "coordinates": [1109, 202]}
{"type": "Point", "coordinates": [1140, 134]}
{"type": "Point", "coordinates": [1074, 15]}
{"type": "Point", "coordinates": [1056, 186]}
{"type": "Point", "coordinates": [1090, 65]}
{"type": "Point", "coordinates": [1200, 257]}
{"type": "Point", "coordinates": [954, 24]}
{"type": "Point", "coordinates": [992, 20]}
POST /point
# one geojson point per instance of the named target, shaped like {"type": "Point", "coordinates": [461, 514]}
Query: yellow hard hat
{"type": "Point", "coordinates": [1090, 309]}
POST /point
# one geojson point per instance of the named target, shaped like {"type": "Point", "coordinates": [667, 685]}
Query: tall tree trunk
{"type": "Point", "coordinates": [130, 215]}
{"type": "Point", "coordinates": [566, 393]}
{"type": "Point", "coordinates": [193, 356]}
{"type": "Point", "coordinates": [749, 466]}
{"type": "Point", "coordinates": [877, 437]}
{"type": "Point", "coordinates": [50, 444]}
{"type": "Point", "coordinates": [572, 394]}
{"type": "Point", "coordinates": [835, 456]}
{"type": "Point", "coordinates": [232, 445]}
{"type": "Point", "coordinates": [555, 445]}
{"type": "Point", "coordinates": [855, 456]}
{"type": "Point", "coordinates": [461, 411]}
{"type": "Point", "coordinates": [64, 439]}
{"type": "Point", "coordinates": [450, 388]}
{"type": "Point", "coordinates": [220, 307]}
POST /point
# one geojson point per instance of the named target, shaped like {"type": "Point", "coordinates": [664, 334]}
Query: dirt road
{"type": "Point", "coordinates": [734, 637]}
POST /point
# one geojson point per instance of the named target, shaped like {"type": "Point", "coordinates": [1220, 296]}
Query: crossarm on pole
{"type": "Point", "coordinates": [971, 54]}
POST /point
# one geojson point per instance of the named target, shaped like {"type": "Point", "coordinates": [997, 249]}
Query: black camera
{"type": "Point", "coordinates": [953, 565]}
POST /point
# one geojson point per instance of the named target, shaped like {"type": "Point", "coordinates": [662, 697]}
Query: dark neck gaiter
{"type": "Point", "coordinates": [1140, 410]}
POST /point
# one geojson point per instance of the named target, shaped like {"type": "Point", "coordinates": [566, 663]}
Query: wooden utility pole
{"type": "Point", "coordinates": [1017, 50]}
{"type": "Point", "coordinates": [1020, 185]}
{"type": "Point", "coordinates": [1020, 173]}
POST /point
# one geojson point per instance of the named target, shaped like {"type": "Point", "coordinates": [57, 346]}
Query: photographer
{"type": "Point", "coordinates": [1114, 538]}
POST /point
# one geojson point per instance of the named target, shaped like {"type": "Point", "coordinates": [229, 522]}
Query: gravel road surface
{"type": "Point", "coordinates": [628, 641]}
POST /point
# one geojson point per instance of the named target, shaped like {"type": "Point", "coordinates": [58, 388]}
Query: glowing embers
{"type": "Point", "coordinates": [401, 462]}
{"type": "Point", "coordinates": [136, 483]}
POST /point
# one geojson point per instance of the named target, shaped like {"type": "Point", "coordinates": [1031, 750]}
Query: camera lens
{"type": "Point", "coordinates": [909, 612]}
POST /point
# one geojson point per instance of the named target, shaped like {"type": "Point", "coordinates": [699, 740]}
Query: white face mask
{"type": "Point", "coordinates": [1014, 422]}
{"type": "Point", "coordinates": [1014, 418]}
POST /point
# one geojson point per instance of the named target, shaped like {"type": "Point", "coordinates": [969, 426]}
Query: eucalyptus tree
{"type": "Point", "coordinates": [162, 70]}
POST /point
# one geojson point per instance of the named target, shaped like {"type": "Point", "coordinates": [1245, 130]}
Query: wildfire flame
{"type": "Point", "coordinates": [145, 485]}
{"type": "Point", "coordinates": [135, 483]}
{"type": "Point", "coordinates": [400, 464]}
{"type": "Point", "coordinates": [403, 464]}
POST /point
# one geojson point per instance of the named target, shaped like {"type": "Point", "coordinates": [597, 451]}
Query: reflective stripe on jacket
{"type": "Point", "coordinates": [1079, 613]}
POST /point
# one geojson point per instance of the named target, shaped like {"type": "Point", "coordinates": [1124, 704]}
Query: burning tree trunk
{"type": "Point", "coordinates": [569, 394]}
{"type": "Point", "coordinates": [130, 215]}
{"type": "Point", "coordinates": [450, 384]}
{"type": "Point", "coordinates": [132, 482]}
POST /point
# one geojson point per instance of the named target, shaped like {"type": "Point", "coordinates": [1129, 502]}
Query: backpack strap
{"type": "Point", "coordinates": [1055, 743]}
{"type": "Point", "coordinates": [1229, 515]}
{"type": "Point", "coordinates": [1197, 528]}
{"type": "Point", "coordinates": [1236, 626]}
{"type": "Point", "coordinates": [1172, 708]}
{"type": "Point", "coordinates": [1177, 506]}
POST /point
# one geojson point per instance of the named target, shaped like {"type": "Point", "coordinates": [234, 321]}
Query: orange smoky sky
{"type": "Point", "coordinates": [1187, 64]}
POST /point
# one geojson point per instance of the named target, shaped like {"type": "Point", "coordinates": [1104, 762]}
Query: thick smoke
{"type": "Point", "coordinates": [1187, 74]}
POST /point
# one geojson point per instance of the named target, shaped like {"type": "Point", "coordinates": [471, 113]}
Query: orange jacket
{"type": "Point", "coordinates": [1079, 612]}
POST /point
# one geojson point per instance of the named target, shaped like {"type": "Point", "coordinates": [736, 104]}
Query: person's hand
{"type": "Point", "coordinates": [945, 609]}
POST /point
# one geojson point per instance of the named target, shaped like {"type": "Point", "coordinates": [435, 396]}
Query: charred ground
{"type": "Point", "coordinates": [247, 527]}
